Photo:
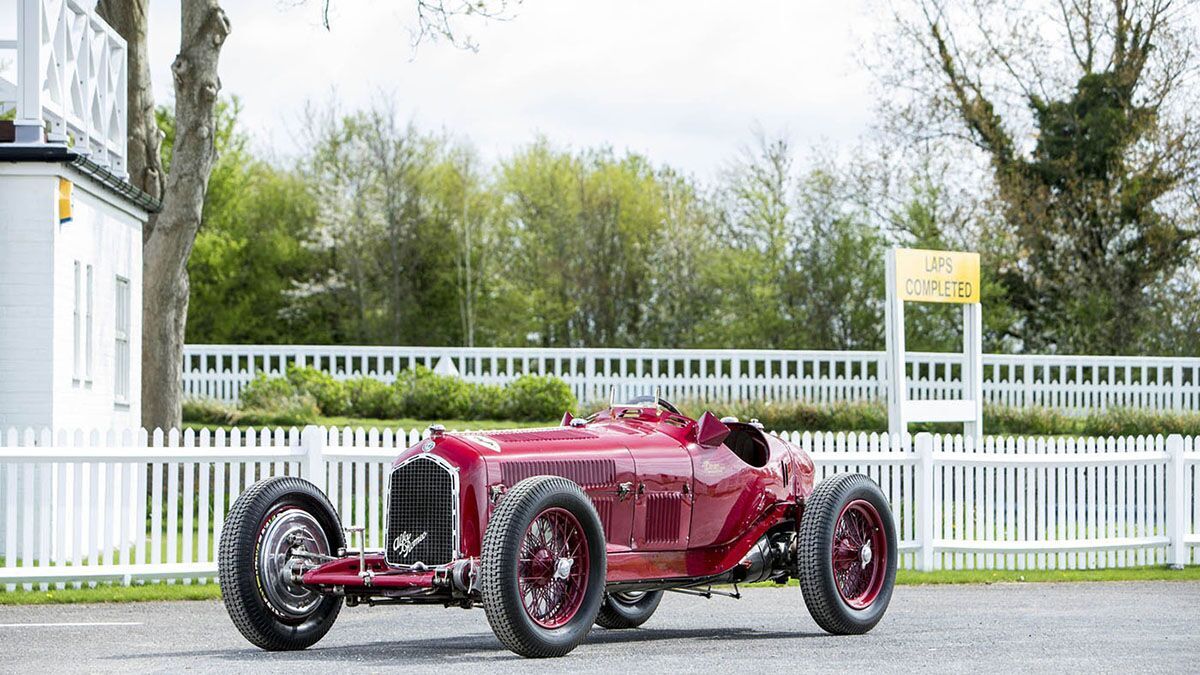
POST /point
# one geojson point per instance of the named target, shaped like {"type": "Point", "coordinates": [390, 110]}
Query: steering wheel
{"type": "Point", "coordinates": [660, 402]}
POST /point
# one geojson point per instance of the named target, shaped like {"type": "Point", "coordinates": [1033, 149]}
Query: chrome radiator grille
{"type": "Point", "coordinates": [422, 522]}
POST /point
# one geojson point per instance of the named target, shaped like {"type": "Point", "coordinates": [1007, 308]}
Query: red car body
{"type": "Point", "coordinates": [682, 502]}
{"type": "Point", "coordinates": [555, 530]}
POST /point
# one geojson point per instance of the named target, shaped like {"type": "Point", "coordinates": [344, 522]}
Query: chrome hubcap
{"type": "Point", "coordinates": [562, 570]}
{"type": "Point", "coordinates": [865, 554]}
{"type": "Point", "coordinates": [287, 529]}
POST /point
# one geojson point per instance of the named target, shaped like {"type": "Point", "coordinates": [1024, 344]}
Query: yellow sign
{"type": "Point", "coordinates": [937, 276]}
{"type": "Point", "coordinates": [64, 200]}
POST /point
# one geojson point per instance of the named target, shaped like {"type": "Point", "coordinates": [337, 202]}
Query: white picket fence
{"type": "Point", "coordinates": [1070, 383]}
{"type": "Point", "coordinates": [82, 508]}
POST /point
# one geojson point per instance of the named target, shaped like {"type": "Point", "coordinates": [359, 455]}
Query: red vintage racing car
{"type": "Point", "coordinates": [552, 530]}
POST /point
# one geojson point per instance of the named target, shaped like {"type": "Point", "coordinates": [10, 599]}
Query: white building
{"type": "Point", "coordinates": [70, 231]}
{"type": "Point", "coordinates": [70, 224]}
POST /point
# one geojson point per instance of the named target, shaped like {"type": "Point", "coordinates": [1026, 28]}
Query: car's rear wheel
{"type": "Point", "coordinates": [265, 526]}
{"type": "Point", "coordinates": [847, 554]}
{"type": "Point", "coordinates": [543, 567]}
{"type": "Point", "coordinates": [629, 609]}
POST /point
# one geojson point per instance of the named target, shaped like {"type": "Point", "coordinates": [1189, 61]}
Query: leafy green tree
{"type": "Point", "coordinates": [245, 260]}
{"type": "Point", "coordinates": [840, 267]}
{"type": "Point", "coordinates": [685, 253]}
{"type": "Point", "coordinates": [406, 228]}
{"type": "Point", "coordinates": [1080, 111]}
{"type": "Point", "coordinates": [1174, 328]}
{"type": "Point", "coordinates": [466, 210]}
{"type": "Point", "coordinates": [760, 296]}
{"type": "Point", "coordinates": [582, 229]}
{"type": "Point", "coordinates": [249, 246]}
{"type": "Point", "coordinates": [805, 267]}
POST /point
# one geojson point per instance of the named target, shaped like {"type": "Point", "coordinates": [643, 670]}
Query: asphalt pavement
{"type": "Point", "coordinates": [1106, 627]}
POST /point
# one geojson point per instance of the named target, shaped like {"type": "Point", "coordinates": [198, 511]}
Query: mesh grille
{"type": "Point", "coordinates": [421, 501]}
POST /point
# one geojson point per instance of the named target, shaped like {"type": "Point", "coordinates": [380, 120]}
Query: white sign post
{"type": "Point", "coordinates": [944, 277]}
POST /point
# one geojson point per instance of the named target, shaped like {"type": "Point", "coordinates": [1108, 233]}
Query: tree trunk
{"type": "Point", "coordinates": [130, 18]}
{"type": "Point", "coordinates": [171, 233]}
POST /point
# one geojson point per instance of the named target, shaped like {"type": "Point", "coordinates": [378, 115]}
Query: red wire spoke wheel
{"type": "Point", "coordinates": [859, 554]}
{"type": "Point", "coordinates": [553, 569]}
{"type": "Point", "coordinates": [543, 567]}
{"type": "Point", "coordinates": [847, 554]}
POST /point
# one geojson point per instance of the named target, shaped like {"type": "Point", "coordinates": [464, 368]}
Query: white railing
{"type": "Point", "coordinates": [1070, 383]}
{"type": "Point", "coordinates": [71, 79]}
{"type": "Point", "coordinates": [82, 508]}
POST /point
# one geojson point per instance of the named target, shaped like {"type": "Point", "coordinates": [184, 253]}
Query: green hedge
{"type": "Point", "coordinates": [798, 416]}
{"type": "Point", "coordinates": [1134, 422]}
{"type": "Point", "coordinates": [425, 395]}
{"type": "Point", "coordinates": [294, 410]}
{"type": "Point", "coordinates": [369, 398]}
{"type": "Point", "coordinates": [536, 398]}
{"type": "Point", "coordinates": [306, 393]}
{"type": "Point", "coordinates": [332, 396]}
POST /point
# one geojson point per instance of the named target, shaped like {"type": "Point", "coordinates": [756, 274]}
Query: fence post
{"type": "Point", "coordinates": [312, 441]}
{"type": "Point", "coordinates": [925, 506]}
{"type": "Point", "coordinates": [1176, 502]}
{"type": "Point", "coordinates": [1027, 385]}
{"type": "Point", "coordinates": [589, 379]}
{"type": "Point", "coordinates": [1177, 387]}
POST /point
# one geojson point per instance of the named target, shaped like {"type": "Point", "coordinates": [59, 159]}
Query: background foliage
{"type": "Point", "coordinates": [421, 244]}
{"type": "Point", "coordinates": [1059, 140]}
{"type": "Point", "coordinates": [305, 394]}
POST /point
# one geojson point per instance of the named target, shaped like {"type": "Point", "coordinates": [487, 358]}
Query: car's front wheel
{"type": "Point", "coordinates": [847, 554]}
{"type": "Point", "coordinates": [543, 567]}
{"type": "Point", "coordinates": [266, 526]}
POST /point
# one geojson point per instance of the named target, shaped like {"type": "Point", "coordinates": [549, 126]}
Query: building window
{"type": "Point", "coordinates": [87, 341]}
{"type": "Point", "coordinates": [77, 361]}
{"type": "Point", "coordinates": [122, 356]}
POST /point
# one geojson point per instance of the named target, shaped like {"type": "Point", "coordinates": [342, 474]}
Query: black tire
{"type": "Point", "coordinates": [822, 509]}
{"type": "Point", "coordinates": [502, 542]}
{"type": "Point", "coordinates": [623, 611]}
{"type": "Point", "coordinates": [243, 587]}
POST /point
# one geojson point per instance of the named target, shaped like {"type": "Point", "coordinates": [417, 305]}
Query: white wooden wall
{"type": "Point", "coordinates": [39, 385]}
{"type": "Point", "coordinates": [26, 299]}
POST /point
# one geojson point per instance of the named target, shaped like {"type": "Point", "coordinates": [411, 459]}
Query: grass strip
{"type": "Point", "coordinates": [1155, 573]}
{"type": "Point", "coordinates": [211, 591]}
{"type": "Point", "coordinates": [113, 593]}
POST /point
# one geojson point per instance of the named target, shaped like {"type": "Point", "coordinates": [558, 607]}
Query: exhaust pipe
{"type": "Point", "coordinates": [757, 565]}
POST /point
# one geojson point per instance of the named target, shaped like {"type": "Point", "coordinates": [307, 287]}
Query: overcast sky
{"type": "Point", "coordinates": [682, 82]}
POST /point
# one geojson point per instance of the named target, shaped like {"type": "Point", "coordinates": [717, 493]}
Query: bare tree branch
{"type": "Point", "coordinates": [436, 19]}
